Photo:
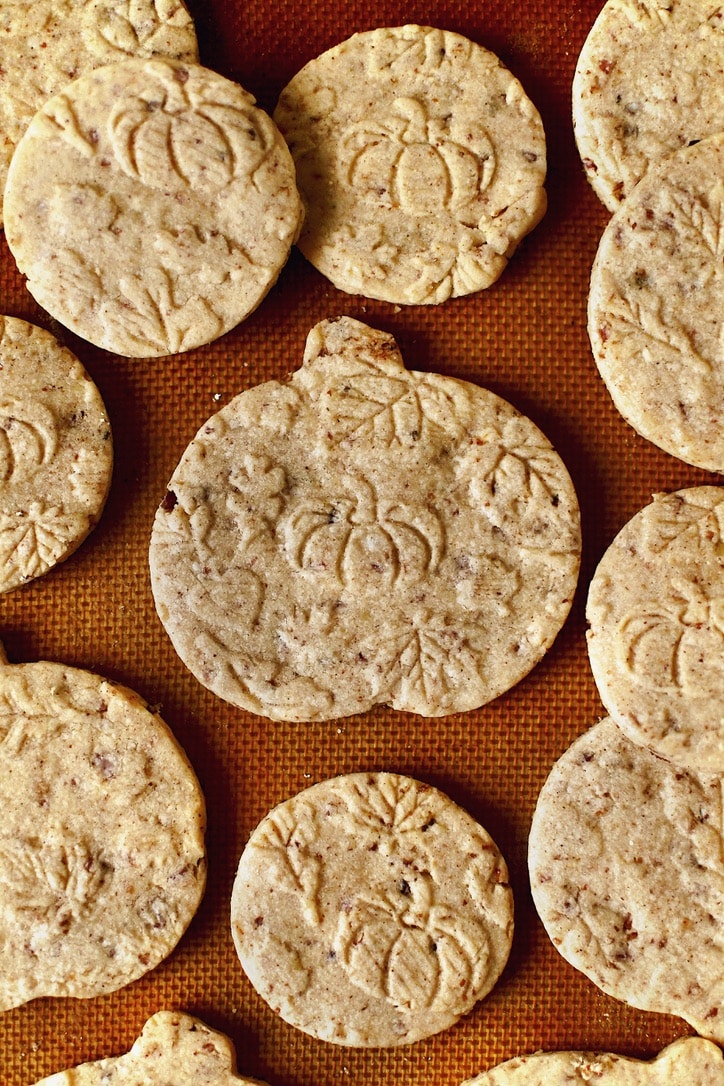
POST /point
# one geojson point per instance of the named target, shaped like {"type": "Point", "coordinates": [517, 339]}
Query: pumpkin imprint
{"type": "Point", "coordinates": [419, 163]}
{"type": "Point", "coordinates": [408, 539]}
{"type": "Point", "coordinates": [395, 901]}
{"type": "Point", "coordinates": [656, 627]}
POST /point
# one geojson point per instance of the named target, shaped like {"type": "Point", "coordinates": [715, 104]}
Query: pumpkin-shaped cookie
{"type": "Point", "coordinates": [363, 534]}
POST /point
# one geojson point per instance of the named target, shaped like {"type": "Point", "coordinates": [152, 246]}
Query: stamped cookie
{"type": "Point", "coordinates": [656, 306]}
{"type": "Point", "coordinates": [691, 1061]}
{"type": "Point", "coordinates": [151, 206]}
{"type": "Point", "coordinates": [421, 162]}
{"type": "Point", "coordinates": [56, 452]}
{"type": "Point", "coordinates": [656, 627]}
{"type": "Point", "coordinates": [44, 44]}
{"type": "Point", "coordinates": [102, 862]}
{"type": "Point", "coordinates": [363, 534]}
{"type": "Point", "coordinates": [648, 81]}
{"type": "Point", "coordinates": [627, 874]}
{"type": "Point", "coordinates": [173, 1047]}
{"type": "Point", "coordinates": [370, 910]}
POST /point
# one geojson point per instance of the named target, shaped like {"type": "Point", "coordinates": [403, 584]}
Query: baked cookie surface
{"type": "Point", "coordinates": [56, 452]}
{"type": "Point", "coordinates": [656, 305]}
{"type": "Point", "coordinates": [172, 1047]}
{"type": "Point", "coordinates": [364, 534]}
{"type": "Point", "coordinates": [648, 81]}
{"type": "Point", "coordinates": [102, 860]}
{"type": "Point", "coordinates": [656, 627]}
{"type": "Point", "coordinates": [626, 871]}
{"type": "Point", "coordinates": [151, 206]}
{"type": "Point", "coordinates": [421, 162]}
{"type": "Point", "coordinates": [691, 1061]}
{"type": "Point", "coordinates": [370, 910]}
{"type": "Point", "coordinates": [44, 44]}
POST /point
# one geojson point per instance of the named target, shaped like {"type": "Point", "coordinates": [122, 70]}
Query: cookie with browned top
{"type": "Point", "coordinates": [370, 910]}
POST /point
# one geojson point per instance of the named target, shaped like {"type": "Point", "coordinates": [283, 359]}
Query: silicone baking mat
{"type": "Point", "coordinates": [525, 338]}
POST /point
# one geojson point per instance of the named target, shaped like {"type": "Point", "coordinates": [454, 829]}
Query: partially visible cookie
{"type": "Point", "coordinates": [421, 162]}
{"type": "Point", "coordinates": [56, 452]}
{"type": "Point", "coordinates": [627, 874]}
{"type": "Point", "coordinates": [656, 627]}
{"type": "Point", "coordinates": [656, 305]}
{"type": "Point", "coordinates": [370, 910]}
{"type": "Point", "coordinates": [102, 859]}
{"type": "Point", "coordinates": [690, 1061]}
{"type": "Point", "coordinates": [151, 206]}
{"type": "Point", "coordinates": [173, 1047]}
{"type": "Point", "coordinates": [648, 81]}
{"type": "Point", "coordinates": [44, 44]}
{"type": "Point", "coordinates": [363, 534]}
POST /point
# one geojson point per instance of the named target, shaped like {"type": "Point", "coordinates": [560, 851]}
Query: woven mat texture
{"type": "Point", "coordinates": [525, 338]}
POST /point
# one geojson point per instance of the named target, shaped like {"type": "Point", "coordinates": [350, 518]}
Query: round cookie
{"type": "Point", "coordinates": [56, 452]}
{"type": "Point", "coordinates": [656, 627]}
{"type": "Point", "coordinates": [362, 534]}
{"type": "Point", "coordinates": [44, 44]}
{"type": "Point", "coordinates": [151, 206]}
{"type": "Point", "coordinates": [102, 861]}
{"type": "Point", "coordinates": [648, 81]}
{"type": "Point", "coordinates": [370, 910]}
{"type": "Point", "coordinates": [656, 305]}
{"type": "Point", "coordinates": [626, 872]}
{"type": "Point", "coordinates": [421, 163]}
{"type": "Point", "coordinates": [173, 1047]}
{"type": "Point", "coordinates": [690, 1061]}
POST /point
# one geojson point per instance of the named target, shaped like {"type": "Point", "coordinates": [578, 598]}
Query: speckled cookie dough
{"type": "Point", "coordinates": [151, 206]}
{"type": "Point", "coordinates": [648, 82]}
{"type": "Point", "coordinates": [102, 860]}
{"type": "Point", "coordinates": [45, 44]}
{"type": "Point", "coordinates": [56, 453]}
{"type": "Point", "coordinates": [626, 872]}
{"type": "Point", "coordinates": [656, 305]}
{"type": "Point", "coordinates": [364, 534]}
{"type": "Point", "coordinates": [173, 1047]}
{"type": "Point", "coordinates": [691, 1061]}
{"type": "Point", "coordinates": [371, 911]}
{"type": "Point", "coordinates": [421, 162]}
{"type": "Point", "coordinates": [656, 627]}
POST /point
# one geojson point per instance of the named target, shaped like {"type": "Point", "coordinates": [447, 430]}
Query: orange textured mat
{"type": "Point", "coordinates": [525, 338]}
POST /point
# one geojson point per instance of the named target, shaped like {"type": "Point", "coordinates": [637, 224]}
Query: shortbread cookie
{"type": "Point", "coordinates": [370, 910]}
{"type": "Point", "coordinates": [44, 44]}
{"type": "Point", "coordinates": [102, 862]}
{"type": "Point", "coordinates": [151, 206]}
{"type": "Point", "coordinates": [56, 452]}
{"type": "Point", "coordinates": [627, 874]}
{"type": "Point", "coordinates": [690, 1061]}
{"type": "Point", "coordinates": [656, 637]}
{"type": "Point", "coordinates": [173, 1048]}
{"type": "Point", "coordinates": [656, 306]}
{"type": "Point", "coordinates": [362, 534]}
{"type": "Point", "coordinates": [421, 162]}
{"type": "Point", "coordinates": [648, 81]}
